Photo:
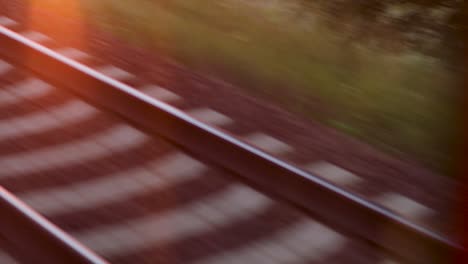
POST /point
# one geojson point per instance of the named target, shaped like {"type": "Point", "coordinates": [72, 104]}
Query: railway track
{"type": "Point", "coordinates": [137, 180]}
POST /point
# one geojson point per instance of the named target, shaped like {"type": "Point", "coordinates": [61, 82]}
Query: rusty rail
{"type": "Point", "coordinates": [33, 239]}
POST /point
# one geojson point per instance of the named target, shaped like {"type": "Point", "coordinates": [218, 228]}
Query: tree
{"type": "Point", "coordinates": [434, 27]}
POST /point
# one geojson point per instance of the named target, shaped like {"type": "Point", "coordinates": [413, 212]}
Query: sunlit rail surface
{"type": "Point", "coordinates": [137, 180]}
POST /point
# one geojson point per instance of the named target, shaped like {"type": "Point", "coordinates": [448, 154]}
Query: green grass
{"type": "Point", "coordinates": [398, 102]}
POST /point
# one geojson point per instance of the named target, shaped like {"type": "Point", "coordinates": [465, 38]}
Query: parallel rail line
{"type": "Point", "coordinates": [311, 194]}
{"type": "Point", "coordinates": [37, 238]}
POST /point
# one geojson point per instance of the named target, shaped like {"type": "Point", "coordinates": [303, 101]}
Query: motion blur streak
{"type": "Point", "coordinates": [463, 160]}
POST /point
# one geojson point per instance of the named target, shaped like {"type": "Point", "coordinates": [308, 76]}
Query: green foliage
{"type": "Point", "coordinates": [398, 101]}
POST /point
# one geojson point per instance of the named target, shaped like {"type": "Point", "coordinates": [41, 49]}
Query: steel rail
{"type": "Point", "coordinates": [33, 239]}
{"type": "Point", "coordinates": [344, 210]}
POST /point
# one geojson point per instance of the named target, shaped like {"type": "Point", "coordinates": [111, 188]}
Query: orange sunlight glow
{"type": "Point", "coordinates": [61, 20]}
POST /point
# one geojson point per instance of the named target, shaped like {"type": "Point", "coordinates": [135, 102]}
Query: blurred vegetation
{"type": "Point", "coordinates": [389, 86]}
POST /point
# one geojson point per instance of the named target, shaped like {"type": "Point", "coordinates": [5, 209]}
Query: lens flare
{"type": "Point", "coordinates": [62, 20]}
